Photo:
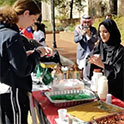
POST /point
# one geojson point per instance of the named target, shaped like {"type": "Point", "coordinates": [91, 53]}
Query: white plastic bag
{"type": "Point", "coordinates": [68, 84]}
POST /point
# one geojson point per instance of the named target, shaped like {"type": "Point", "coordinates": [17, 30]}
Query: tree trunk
{"type": "Point", "coordinates": [53, 23]}
{"type": "Point", "coordinates": [71, 9]}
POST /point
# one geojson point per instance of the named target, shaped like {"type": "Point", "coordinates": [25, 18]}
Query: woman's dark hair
{"type": "Point", "coordinates": [39, 19]}
{"type": "Point", "coordinates": [40, 26]}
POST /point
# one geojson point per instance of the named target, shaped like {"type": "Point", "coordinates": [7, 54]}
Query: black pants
{"type": "Point", "coordinates": [14, 107]}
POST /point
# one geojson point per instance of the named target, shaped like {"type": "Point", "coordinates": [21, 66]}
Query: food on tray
{"type": "Point", "coordinates": [64, 98]}
{"type": "Point", "coordinates": [115, 119]}
{"type": "Point", "coordinates": [92, 111]}
{"type": "Point", "coordinates": [70, 96]}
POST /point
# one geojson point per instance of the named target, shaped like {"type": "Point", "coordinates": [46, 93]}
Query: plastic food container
{"type": "Point", "coordinates": [94, 113]}
{"type": "Point", "coordinates": [67, 103]}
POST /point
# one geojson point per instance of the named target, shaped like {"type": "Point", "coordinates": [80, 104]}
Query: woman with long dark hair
{"type": "Point", "coordinates": [111, 59]}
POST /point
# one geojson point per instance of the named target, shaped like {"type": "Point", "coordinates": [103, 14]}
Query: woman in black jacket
{"type": "Point", "coordinates": [111, 58]}
{"type": "Point", "coordinates": [17, 64]}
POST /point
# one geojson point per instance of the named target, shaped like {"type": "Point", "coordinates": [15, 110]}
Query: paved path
{"type": "Point", "coordinates": [65, 48]}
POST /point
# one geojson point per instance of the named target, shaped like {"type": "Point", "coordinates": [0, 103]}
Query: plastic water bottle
{"type": "Point", "coordinates": [102, 87]}
{"type": "Point", "coordinates": [94, 80]}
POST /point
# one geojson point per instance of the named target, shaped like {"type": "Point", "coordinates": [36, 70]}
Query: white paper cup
{"type": "Point", "coordinates": [62, 114]}
{"type": "Point", "coordinates": [109, 98]}
{"type": "Point", "coordinates": [96, 55]}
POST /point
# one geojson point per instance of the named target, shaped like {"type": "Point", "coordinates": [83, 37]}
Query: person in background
{"type": "Point", "coordinates": [85, 35]}
{"type": "Point", "coordinates": [27, 32]}
{"type": "Point", "coordinates": [39, 33]}
{"type": "Point", "coordinates": [108, 16]}
{"type": "Point", "coordinates": [17, 64]}
{"type": "Point", "coordinates": [110, 59]}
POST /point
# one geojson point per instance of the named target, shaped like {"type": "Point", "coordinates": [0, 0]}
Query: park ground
{"type": "Point", "coordinates": [65, 44]}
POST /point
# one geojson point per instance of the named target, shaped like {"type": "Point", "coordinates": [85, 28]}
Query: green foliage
{"type": "Point", "coordinates": [63, 7]}
{"type": "Point", "coordinates": [61, 17]}
{"type": "Point", "coordinates": [10, 2]}
{"type": "Point", "coordinates": [78, 4]}
{"type": "Point", "coordinates": [48, 26]}
{"type": "Point", "coordinates": [6, 2]}
{"type": "Point", "coordinates": [70, 28]}
{"type": "Point", "coordinates": [97, 21]}
{"type": "Point", "coordinates": [120, 24]}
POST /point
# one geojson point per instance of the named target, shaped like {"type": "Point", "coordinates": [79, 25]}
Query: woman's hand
{"type": "Point", "coordinates": [96, 60]}
{"type": "Point", "coordinates": [45, 51]}
{"type": "Point", "coordinates": [29, 52]}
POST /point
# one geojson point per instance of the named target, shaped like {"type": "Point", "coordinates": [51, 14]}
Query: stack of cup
{"type": "Point", "coordinates": [62, 114]}
{"type": "Point", "coordinates": [109, 98]}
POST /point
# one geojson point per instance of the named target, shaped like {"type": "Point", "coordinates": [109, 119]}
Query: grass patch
{"type": "Point", "coordinates": [120, 23]}
{"type": "Point", "coordinates": [48, 26]}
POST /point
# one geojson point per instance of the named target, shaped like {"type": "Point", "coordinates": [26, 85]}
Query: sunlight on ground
{"type": "Point", "coordinates": [30, 118]}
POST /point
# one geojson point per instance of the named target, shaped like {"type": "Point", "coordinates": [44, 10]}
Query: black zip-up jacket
{"type": "Point", "coordinates": [15, 65]}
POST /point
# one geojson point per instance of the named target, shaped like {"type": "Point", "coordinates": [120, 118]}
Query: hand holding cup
{"type": "Point", "coordinates": [96, 59]}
